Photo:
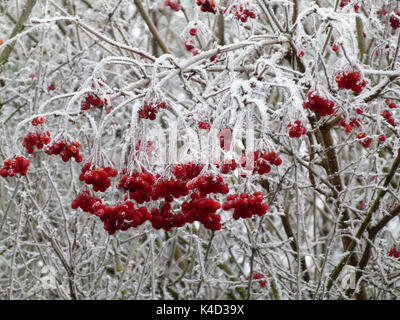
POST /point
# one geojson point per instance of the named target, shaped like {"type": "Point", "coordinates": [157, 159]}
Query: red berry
{"type": "Point", "coordinates": [381, 137]}
{"type": "Point", "coordinates": [350, 80]}
{"type": "Point", "coordinates": [18, 164]}
{"type": "Point", "coordinates": [316, 103]}
{"type": "Point", "coordinates": [206, 5]}
{"type": "Point", "coordinates": [245, 206]}
{"type": "Point", "coordinates": [193, 31]}
{"type": "Point", "coordinates": [363, 140]}
{"type": "Point", "coordinates": [38, 120]}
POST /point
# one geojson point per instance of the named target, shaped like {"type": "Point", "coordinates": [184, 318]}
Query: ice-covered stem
{"type": "Point", "coordinates": [282, 31]}
{"type": "Point", "coordinates": [372, 233]}
{"type": "Point", "coordinates": [295, 11]}
{"type": "Point", "coordinates": [336, 271]}
{"type": "Point", "coordinates": [221, 29]}
{"type": "Point", "coordinates": [151, 26]}
{"type": "Point", "coordinates": [293, 244]}
{"type": "Point", "coordinates": [19, 26]}
{"type": "Point", "coordinates": [331, 166]}
{"type": "Point", "coordinates": [289, 233]}
{"type": "Point", "coordinates": [360, 38]}
{"type": "Point", "coordinates": [396, 53]}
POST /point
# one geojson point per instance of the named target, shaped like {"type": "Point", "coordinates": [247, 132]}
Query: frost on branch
{"type": "Point", "coordinates": [199, 149]}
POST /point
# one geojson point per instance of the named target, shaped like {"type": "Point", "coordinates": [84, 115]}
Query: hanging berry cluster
{"type": "Point", "coordinates": [242, 13]}
{"type": "Point", "coordinates": [169, 189]}
{"type": "Point", "coordinates": [149, 111]}
{"type": "Point", "coordinates": [165, 218]}
{"type": "Point", "coordinates": [226, 166]}
{"type": "Point", "coordinates": [388, 117]}
{"type": "Point", "coordinates": [206, 5]}
{"type": "Point", "coordinates": [189, 45]}
{"type": "Point", "coordinates": [208, 183]}
{"type": "Point", "coordinates": [321, 105]}
{"type": "Point", "coordinates": [204, 125]}
{"type": "Point", "coordinates": [202, 210]}
{"type": "Point", "coordinates": [99, 178]}
{"type": "Point", "coordinates": [393, 252]}
{"type": "Point", "coordinates": [394, 20]}
{"type": "Point", "coordinates": [65, 151]}
{"type": "Point", "coordinates": [350, 80]}
{"type": "Point", "coordinates": [245, 205]}
{"type": "Point", "coordinates": [121, 216]}
{"type": "Point", "coordinates": [84, 201]}
{"type": "Point", "coordinates": [17, 165]}
{"type": "Point", "coordinates": [37, 121]}
{"type": "Point", "coordinates": [257, 276]}
{"type": "Point", "coordinates": [390, 104]}
{"type": "Point", "coordinates": [187, 171]}
{"type": "Point", "coordinates": [173, 5]}
{"type": "Point", "coordinates": [142, 186]}
{"type": "Point", "coordinates": [137, 184]}
{"type": "Point", "coordinates": [363, 139]}
{"type": "Point", "coordinates": [91, 100]}
{"type": "Point", "coordinates": [348, 127]}
{"type": "Point", "coordinates": [262, 161]}
{"type": "Point", "coordinates": [35, 139]}
{"type": "Point", "coordinates": [296, 130]}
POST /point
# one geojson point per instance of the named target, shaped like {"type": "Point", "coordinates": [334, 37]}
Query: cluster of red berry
{"type": "Point", "coordinates": [363, 140]}
{"type": "Point", "coordinates": [99, 178]}
{"type": "Point", "coordinates": [390, 104]}
{"type": "Point", "coordinates": [165, 219]}
{"type": "Point", "coordinates": [35, 139]}
{"type": "Point", "coordinates": [226, 166]}
{"type": "Point", "coordinates": [242, 13]}
{"type": "Point", "coordinates": [121, 216]}
{"type": "Point", "coordinates": [84, 201]}
{"type": "Point", "coordinates": [17, 165]}
{"type": "Point", "coordinates": [91, 100]}
{"type": "Point", "coordinates": [393, 252]}
{"type": "Point", "coordinates": [208, 183]}
{"type": "Point", "coordinates": [388, 117]}
{"type": "Point", "coordinates": [149, 111]}
{"type": "Point", "coordinates": [187, 171]}
{"type": "Point", "coordinates": [394, 20]}
{"type": "Point", "coordinates": [344, 3]}
{"type": "Point", "coordinates": [348, 127]}
{"type": "Point", "coordinates": [173, 5]}
{"type": "Point", "coordinates": [65, 151]}
{"type": "Point", "coordinates": [382, 137]}
{"type": "Point", "coordinates": [207, 5]}
{"type": "Point", "coordinates": [257, 276]}
{"type": "Point", "coordinates": [296, 130]}
{"type": "Point", "coordinates": [245, 205]}
{"type": "Point", "coordinates": [38, 120]}
{"type": "Point", "coordinates": [317, 103]}
{"type": "Point", "coordinates": [350, 80]}
{"type": "Point", "coordinates": [169, 189]}
{"type": "Point", "coordinates": [202, 210]}
{"type": "Point", "coordinates": [138, 184]}
{"type": "Point", "coordinates": [204, 125]}
{"type": "Point", "coordinates": [189, 45]}
{"type": "Point", "coordinates": [261, 161]}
